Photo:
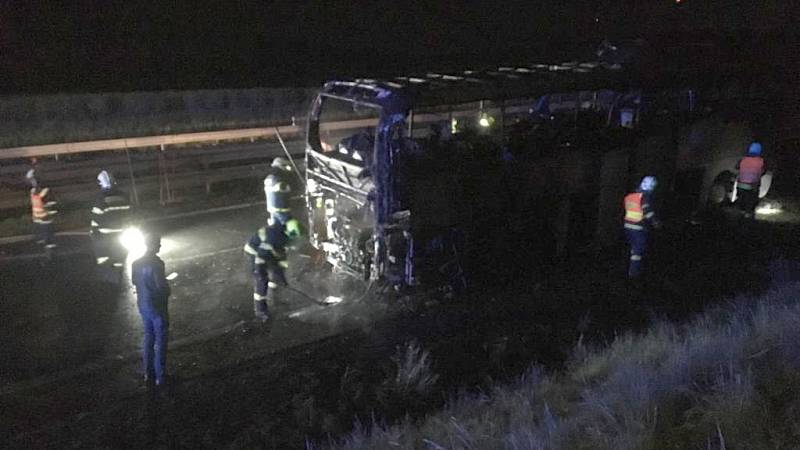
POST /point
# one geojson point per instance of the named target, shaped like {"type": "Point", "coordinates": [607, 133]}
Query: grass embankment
{"type": "Point", "coordinates": [730, 378]}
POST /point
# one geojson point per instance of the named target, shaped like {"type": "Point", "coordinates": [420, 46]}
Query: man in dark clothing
{"type": "Point", "coordinates": [278, 190]}
{"type": "Point", "coordinates": [152, 293]}
{"type": "Point", "coordinates": [110, 214]}
{"type": "Point", "coordinates": [267, 250]}
{"type": "Point", "coordinates": [639, 218]}
{"type": "Point", "coordinates": [42, 213]}
{"type": "Point", "coordinates": [748, 180]}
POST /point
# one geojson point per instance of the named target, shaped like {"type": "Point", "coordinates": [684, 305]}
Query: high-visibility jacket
{"type": "Point", "coordinates": [41, 211]}
{"type": "Point", "coordinates": [278, 191]}
{"type": "Point", "coordinates": [751, 168]}
{"type": "Point", "coordinates": [637, 211]}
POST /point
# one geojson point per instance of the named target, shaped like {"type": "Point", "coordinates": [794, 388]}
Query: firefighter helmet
{"type": "Point", "coordinates": [30, 177]}
{"type": "Point", "coordinates": [105, 180]}
{"type": "Point", "coordinates": [281, 163]}
{"type": "Point", "coordinates": [754, 149]}
{"type": "Point", "coordinates": [648, 184]}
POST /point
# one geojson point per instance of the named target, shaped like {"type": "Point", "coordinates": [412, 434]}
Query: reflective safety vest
{"type": "Point", "coordinates": [634, 213]}
{"type": "Point", "coordinates": [278, 190]}
{"type": "Point", "coordinates": [637, 211]}
{"type": "Point", "coordinates": [751, 168]}
{"type": "Point", "coordinates": [39, 211]}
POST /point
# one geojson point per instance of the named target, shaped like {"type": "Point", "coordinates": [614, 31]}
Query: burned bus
{"type": "Point", "coordinates": [417, 180]}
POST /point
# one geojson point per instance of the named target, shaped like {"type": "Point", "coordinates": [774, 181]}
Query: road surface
{"type": "Point", "coordinates": [58, 317]}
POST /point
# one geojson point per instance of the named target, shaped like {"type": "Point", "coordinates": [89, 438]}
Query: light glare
{"type": "Point", "coordinates": [133, 241]}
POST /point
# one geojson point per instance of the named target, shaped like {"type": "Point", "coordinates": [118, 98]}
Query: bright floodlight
{"type": "Point", "coordinates": [133, 241]}
{"type": "Point", "coordinates": [485, 120]}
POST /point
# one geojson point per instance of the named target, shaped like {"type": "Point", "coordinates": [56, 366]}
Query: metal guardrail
{"type": "Point", "coordinates": [146, 141]}
{"type": "Point", "coordinates": [150, 174]}
{"type": "Point", "coordinates": [206, 136]}
{"type": "Point", "coordinates": [161, 172]}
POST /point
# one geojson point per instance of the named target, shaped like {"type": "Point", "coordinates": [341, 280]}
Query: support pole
{"type": "Point", "coordinates": [133, 179]}
{"type": "Point", "coordinates": [163, 178]}
{"type": "Point", "coordinates": [288, 156]}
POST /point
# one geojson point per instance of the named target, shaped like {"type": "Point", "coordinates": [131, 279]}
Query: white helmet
{"type": "Point", "coordinates": [30, 177]}
{"type": "Point", "coordinates": [105, 180]}
{"type": "Point", "coordinates": [281, 163]}
{"type": "Point", "coordinates": [648, 184]}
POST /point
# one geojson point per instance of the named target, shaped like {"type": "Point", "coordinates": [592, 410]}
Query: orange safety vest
{"type": "Point", "coordinates": [38, 210]}
{"type": "Point", "coordinates": [633, 208]}
{"type": "Point", "coordinates": [750, 169]}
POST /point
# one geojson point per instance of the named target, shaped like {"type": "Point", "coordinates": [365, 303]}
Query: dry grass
{"type": "Point", "coordinates": [728, 379]}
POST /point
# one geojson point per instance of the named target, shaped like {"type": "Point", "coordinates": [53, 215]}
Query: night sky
{"type": "Point", "coordinates": [107, 45]}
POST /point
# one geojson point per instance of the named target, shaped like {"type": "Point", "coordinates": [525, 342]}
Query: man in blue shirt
{"type": "Point", "coordinates": [152, 293]}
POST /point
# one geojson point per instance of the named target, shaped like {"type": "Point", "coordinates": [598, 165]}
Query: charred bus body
{"type": "Point", "coordinates": [415, 180]}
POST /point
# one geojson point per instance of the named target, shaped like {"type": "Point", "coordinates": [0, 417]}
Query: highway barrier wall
{"type": "Point", "coordinates": [47, 119]}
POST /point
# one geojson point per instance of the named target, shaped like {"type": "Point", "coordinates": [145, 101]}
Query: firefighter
{"type": "Point", "coordinates": [152, 296]}
{"type": "Point", "coordinates": [267, 251]}
{"type": "Point", "coordinates": [748, 181]}
{"type": "Point", "coordinates": [42, 213]}
{"type": "Point", "coordinates": [639, 218]}
{"type": "Point", "coordinates": [110, 214]}
{"type": "Point", "coordinates": [278, 190]}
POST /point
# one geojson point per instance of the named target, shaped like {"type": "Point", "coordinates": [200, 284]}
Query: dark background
{"type": "Point", "coordinates": [108, 45]}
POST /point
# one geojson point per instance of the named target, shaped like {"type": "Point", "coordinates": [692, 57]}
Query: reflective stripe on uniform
{"type": "Point", "coordinates": [279, 187]}
{"type": "Point", "coordinates": [744, 186]}
{"type": "Point", "coordinates": [633, 226]}
{"type": "Point", "coordinates": [636, 257]}
{"type": "Point", "coordinates": [96, 210]}
{"type": "Point", "coordinates": [284, 264]}
{"type": "Point", "coordinates": [649, 215]}
{"type": "Point", "coordinates": [262, 234]}
{"type": "Point", "coordinates": [94, 224]}
{"type": "Point", "coordinates": [267, 246]}
{"type": "Point", "coordinates": [274, 209]}
{"type": "Point", "coordinates": [117, 208]}
{"type": "Point", "coordinates": [250, 250]}
{"type": "Point", "coordinates": [259, 260]}
{"type": "Point", "coordinates": [258, 297]}
{"type": "Point", "coordinates": [272, 285]}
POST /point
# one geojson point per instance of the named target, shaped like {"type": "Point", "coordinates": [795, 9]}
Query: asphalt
{"type": "Point", "coordinates": [71, 341]}
{"type": "Point", "coordinates": [63, 319]}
